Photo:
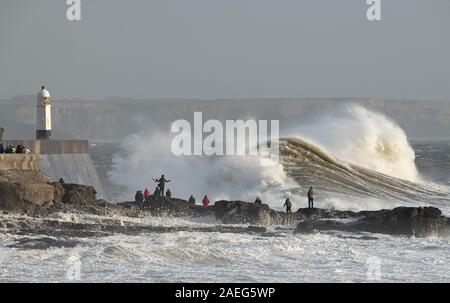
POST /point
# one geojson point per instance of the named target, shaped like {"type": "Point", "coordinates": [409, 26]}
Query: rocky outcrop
{"type": "Point", "coordinates": [240, 212]}
{"type": "Point", "coordinates": [175, 206]}
{"type": "Point", "coordinates": [25, 191]}
{"type": "Point", "coordinates": [32, 192]}
{"type": "Point", "coordinates": [408, 221]}
{"type": "Point", "coordinates": [321, 213]}
{"type": "Point", "coordinates": [78, 194]}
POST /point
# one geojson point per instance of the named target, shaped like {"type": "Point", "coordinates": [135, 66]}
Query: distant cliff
{"type": "Point", "coordinates": [114, 119]}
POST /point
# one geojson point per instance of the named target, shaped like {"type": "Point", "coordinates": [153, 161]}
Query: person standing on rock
{"type": "Point", "coordinates": [161, 183]}
{"type": "Point", "coordinates": [147, 195]}
{"type": "Point", "coordinates": [258, 201]}
{"type": "Point", "coordinates": [288, 206]}
{"type": "Point", "coordinates": [139, 197]}
{"type": "Point", "coordinates": [205, 201]}
{"type": "Point", "coordinates": [192, 200]}
{"type": "Point", "coordinates": [311, 198]}
{"type": "Point", "coordinates": [168, 194]}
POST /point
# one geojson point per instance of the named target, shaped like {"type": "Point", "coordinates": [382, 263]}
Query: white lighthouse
{"type": "Point", "coordinates": [43, 115]}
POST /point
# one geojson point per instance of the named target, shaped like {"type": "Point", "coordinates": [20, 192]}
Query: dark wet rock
{"type": "Point", "coordinates": [364, 237]}
{"type": "Point", "coordinates": [173, 206]}
{"type": "Point", "coordinates": [42, 243]}
{"type": "Point", "coordinates": [77, 194]}
{"type": "Point", "coordinates": [321, 213]}
{"type": "Point", "coordinates": [272, 235]}
{"type": "Point", "coordinates": [240, 212]}
{"type": "Point", "coordinates": [408, 221]}
{"type": "Point", "coordinates": [258, 229]}
{"type": "Point", "coordinates": [58, 192]}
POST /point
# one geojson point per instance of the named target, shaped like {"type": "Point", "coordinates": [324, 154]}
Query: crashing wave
{"type": "Point", "coordinates": [309, 164]}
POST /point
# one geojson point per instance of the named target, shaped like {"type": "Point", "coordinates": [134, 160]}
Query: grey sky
{"type": "Point", "coordinates": [226, 49]}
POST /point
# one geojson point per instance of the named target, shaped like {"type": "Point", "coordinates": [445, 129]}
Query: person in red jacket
{"type": "Point", "coordinates": [205, 201]}
{"type": "Point", "coordinates": [147, 195]}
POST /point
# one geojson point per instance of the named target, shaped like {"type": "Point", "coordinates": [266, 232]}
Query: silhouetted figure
{"type": "Point", "coordinates": [258, 201]}
{"type": "Point", "coordinates": [156, 193]}
{"type": "Point", "coordinates": [168, 194]}
{"type": "Point", "coordinates": [61, 180]}
{"type": "Point", "coordinates": [311, 198]}
{"type": "Point", "coordinates": [20, 149]}
{"type": "Point", "coordinates": [288, 205]}
{"type": "Point", "coordinates": [192, 200]}
{"type": "Point", "coordinates": [9, 149]}
{"type": "Point", "coordinates": [161, 183]}
{"type": "Point", "coordinates": [139, 197]}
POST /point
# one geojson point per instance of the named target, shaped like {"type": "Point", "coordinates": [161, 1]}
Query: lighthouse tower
{"type": "Point", "coordinates": [43, 115]}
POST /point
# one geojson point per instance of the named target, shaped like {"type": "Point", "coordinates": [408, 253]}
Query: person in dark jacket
{"type": "Point", "coordinates": [311, 198]}
{"type": "Point", "coordinates": [8, 149]}
{"type": "Point", "coordinates": [20, 149]}
{"type": "Point", "coordinates": [139, 197]}
{"type": "Point", "coordinates": [288, 205]}
{"type": "Point", "coordinates": [161, 183]}
{"type": "Point", "coordinates": [258, 201]}
{"type": "Point", "coordinates": [2, 148]}
{"type": "Point", "coordinates": [192, 200]}
{"type": "Point", "coordinates": [157, 190]}
{"type": "Point", "coordinates": [168, 194]}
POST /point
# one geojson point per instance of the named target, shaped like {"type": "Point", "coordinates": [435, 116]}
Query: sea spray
{"type": "Point", "coordinates": [220, 177]}
{"type": "Point", "coordinates": [352, 152]}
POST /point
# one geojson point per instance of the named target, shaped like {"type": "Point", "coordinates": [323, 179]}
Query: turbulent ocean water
{"type": "Point", "coordinates": [363, 161]}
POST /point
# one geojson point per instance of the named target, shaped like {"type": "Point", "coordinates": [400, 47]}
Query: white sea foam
{"type": "Point", "coordinates": [222, 257]}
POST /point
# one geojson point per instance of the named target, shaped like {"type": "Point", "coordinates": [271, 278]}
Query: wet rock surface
{"type": "Point", "coordinates": [407, 221]}
{"type": "Point", "coordinates": [175, 207]}
{"type": "Point", "coordinates": [43, 243]}
{"type": "Point", "coordinates": [240, 212]}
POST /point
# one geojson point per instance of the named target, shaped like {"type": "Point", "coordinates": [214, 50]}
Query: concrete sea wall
{"type": "Point", "coordinates": [53, 146]}
{"type": "Point", "coordinates": [68, 159]}
{"type": "Point", "coordinates": [19, 162]}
